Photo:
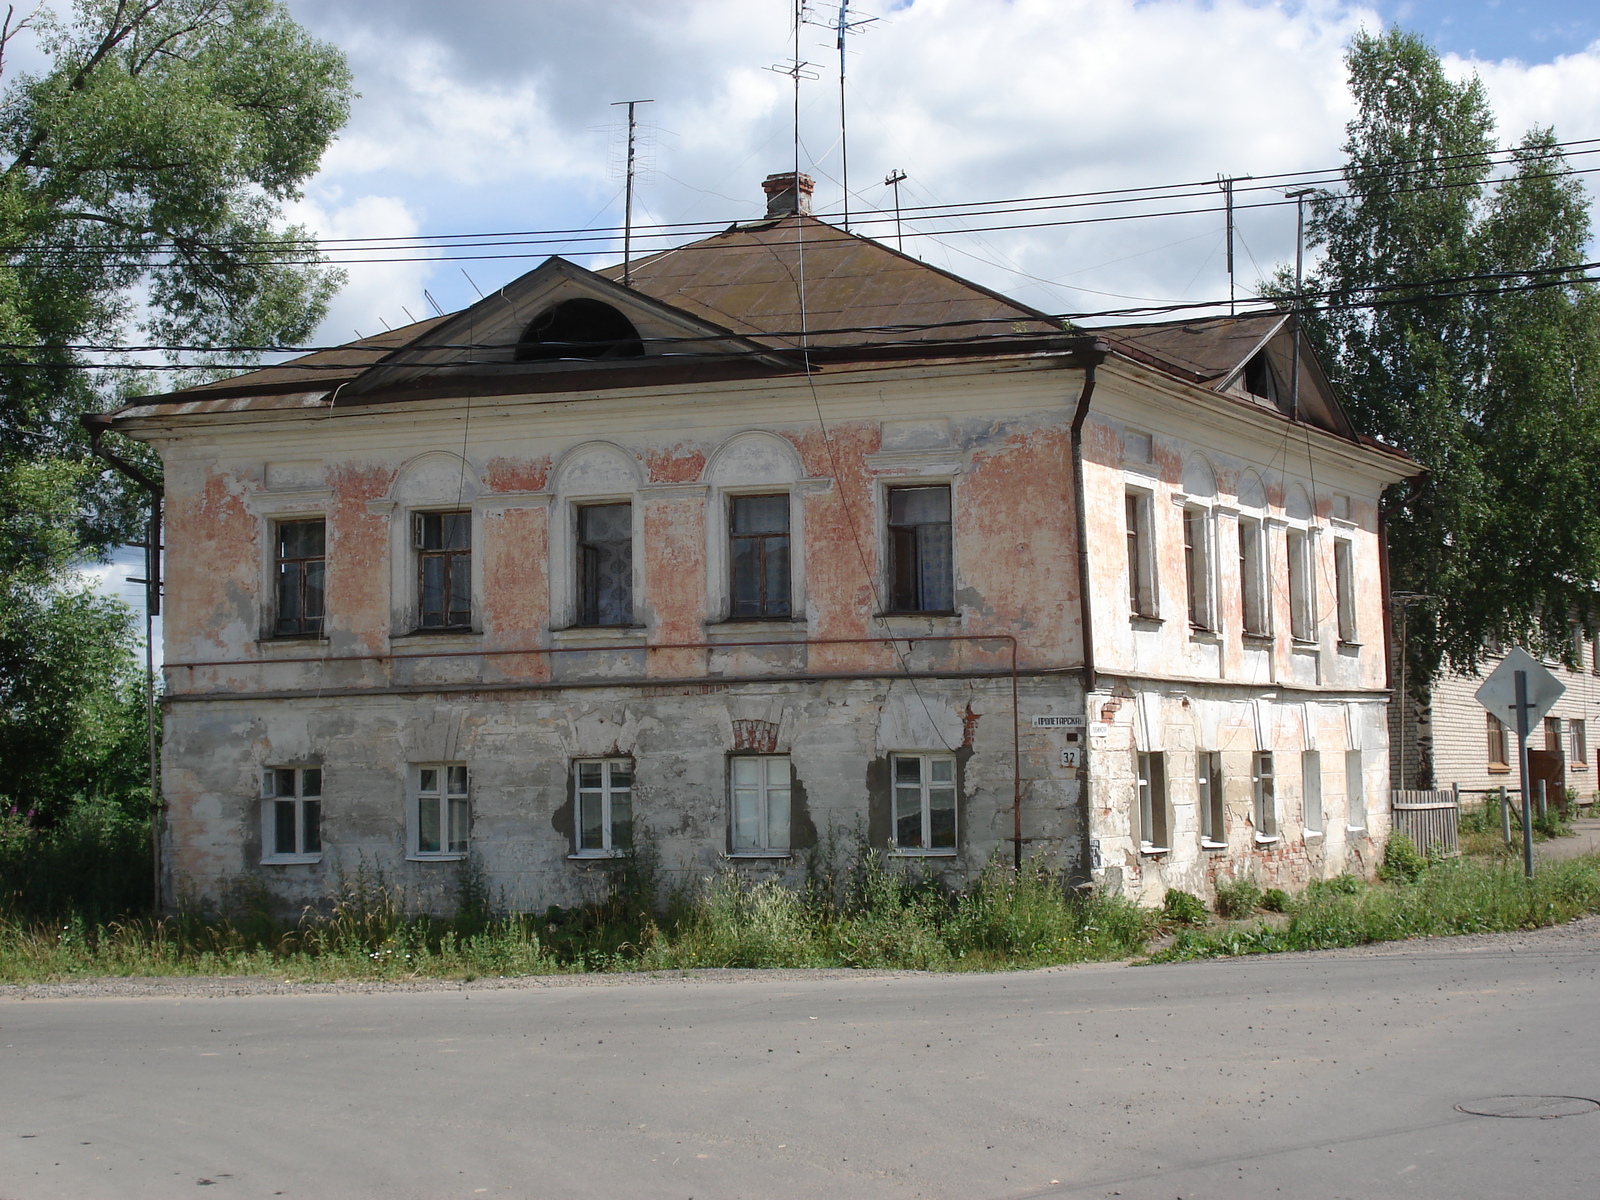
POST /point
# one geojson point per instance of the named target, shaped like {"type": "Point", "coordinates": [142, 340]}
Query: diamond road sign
{"type": "Point", "coordinates": [1499, 692]}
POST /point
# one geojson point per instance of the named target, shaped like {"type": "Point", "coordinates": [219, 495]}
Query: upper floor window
{"type": "Point", "coordinates": [291, 817]}
{"type": "Point", "coordinates": [1253, 578]}
{"type": "Point", "coordinates": [1344, 588]}
{"type": "Point", "coordinates": [605, 564]}
{"type": "Point", "coordinates": [443, 541]}
{"type": "Point", "coordinates": [300, 565]}
{"type": "Point", "coordinates": [1141, 554]}
{"type": "Point", "coordinates": [1302, 601]}
{"type": "Point", "coordinates": [579, 328]}
{"type": "Point", "coordinates": [1197, 567]}
{"type": "Point", "coordinates": [921, 573]}
{"type": "Point", "coordinates": [758, 555]}
{"type": "Point", "coordinates": [924, 802]}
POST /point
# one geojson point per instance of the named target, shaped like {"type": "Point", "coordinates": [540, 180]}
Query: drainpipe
{"type": "Point", "coordinates": [1085, 604]}
{"type": "Point", "coordinates": [97, 424]}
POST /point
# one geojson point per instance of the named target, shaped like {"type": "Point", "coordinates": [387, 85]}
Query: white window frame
{"type": "Point", "coordinates": [1312, 818]}
{"type": "Point", "coordinates": [927, 785]}
{"type": "Point", "coordinates": [1210, 800]}
{"type": "Point", "coordinates": [606, 794]}
{"type": "Point", "coordinates": [1344, 586]}
{"type": "Point", "coordinates": [1199, 541]}
{"type": "Point", "coordinates": [271, 797]}
{"type": "Point", "coordinates": [1355, 791]}
{"type": "Point", "coordinates": [414, 519]}
{"type": "Point", "coordinates": [765, 794]}
{"type": "Point", "coordinates": [446, 792]}
{"type": "Point", "coordinates": [1255, 597]}
{"type": "Point", "coordinates": [1150, 768]}
{"type": "Point", "coordinates": [1302, 586]}
{"type": "Point", "coordinates": [1144, 592]}
{"type": "Point", "coordinates": [1264, 786]}
{"type": "Point", "coordinates": [1578, 739]}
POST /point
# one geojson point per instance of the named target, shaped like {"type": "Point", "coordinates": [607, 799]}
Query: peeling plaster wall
{"type": "Point", "coordinates": [522, 693]}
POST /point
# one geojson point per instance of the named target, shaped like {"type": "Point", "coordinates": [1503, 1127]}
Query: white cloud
{"type": "Point", "coordinates": [490, 115]}
{"type": "Point", "coordinates": [377, 292]}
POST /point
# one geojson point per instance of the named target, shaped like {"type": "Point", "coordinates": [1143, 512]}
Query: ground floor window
{"type": "Point", "coordinates": [604, 792]}
{"type": "Point", "coordinates": [760, 786]}
{"type": "Point", "coordinates": [291, 814]}
{"type": "Point", "coordinates": [1153, 838]}
{"type": "Point", "coordinates": [1208, 782]}
{"type": "Point", "coordinates": [1264, 783]}
{"type": "Point", "coordinates": [1311, 790]}
{"type": "Point", "coordinates": [440, 810]}
{"type": "Point", "coordinates": [1355, 789]}
{"type": "Point", "coordinates": [924, 802]}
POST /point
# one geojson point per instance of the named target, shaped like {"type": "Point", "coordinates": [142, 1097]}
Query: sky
{"type": "Point", "coordinates": [498, 115]}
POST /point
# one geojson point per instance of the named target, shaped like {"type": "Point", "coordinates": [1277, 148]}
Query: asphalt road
{"type": "Point", "coordinates": [1296, 1076]}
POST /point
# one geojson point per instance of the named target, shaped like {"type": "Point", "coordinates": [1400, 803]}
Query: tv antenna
{"type": "Point", "coordinates": [1299, 197]}
{"type": "Point", "coordinates": [893, 179]}
{"type": "Point", "coordinates": [627, 204]}
{"type": "Point", "coordinates": [841, 26]}
{"type": "Point", "coordinates": [1226, 182]}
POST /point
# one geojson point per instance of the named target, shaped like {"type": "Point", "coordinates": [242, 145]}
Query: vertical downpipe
{"type": "Point", "coordinates": [1085, 604]}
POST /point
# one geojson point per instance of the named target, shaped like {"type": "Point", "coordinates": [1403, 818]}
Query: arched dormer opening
{"type": "Point", "coordinates": [579, 328]}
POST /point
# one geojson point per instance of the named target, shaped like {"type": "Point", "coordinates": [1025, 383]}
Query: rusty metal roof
{"type": "Point", "coordinates": [857, 291]}
{"type": "Point", "coordinates": [1208, 349]}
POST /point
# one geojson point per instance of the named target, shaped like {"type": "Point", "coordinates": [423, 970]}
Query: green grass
{"type": "Point", "coordinates": [876, 915]}
{"type": "Point", "coordinates": [1444, 898]}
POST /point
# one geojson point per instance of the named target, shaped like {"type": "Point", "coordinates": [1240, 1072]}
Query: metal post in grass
{"type": "Point", "coordinates": [1544, 805]}
{"type": "Point", "coordinates": [1505, 816]}
{"type": "Point", "coordinates": [1522, 768]}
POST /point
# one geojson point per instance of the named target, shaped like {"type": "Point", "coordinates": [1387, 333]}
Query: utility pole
{"type": "Point", "coordinates": [1226, 184]}
{"type": "Point", "coordinates": [1299, 198]}
{"type": "Point", "coordinates": [893, 180]}
{"type": "Point", "coordinates": [627, 205]}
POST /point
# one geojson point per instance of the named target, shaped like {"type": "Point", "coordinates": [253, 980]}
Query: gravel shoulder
{"type": "Point", "coordinates": [1576, 936]}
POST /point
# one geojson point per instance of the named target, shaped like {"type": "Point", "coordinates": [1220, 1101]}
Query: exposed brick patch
{"type": "Point", "coordinates": [759, 736]}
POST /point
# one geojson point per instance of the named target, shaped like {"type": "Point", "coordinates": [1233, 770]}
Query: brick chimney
{"type": "Point", "coordinates": [780, 192]}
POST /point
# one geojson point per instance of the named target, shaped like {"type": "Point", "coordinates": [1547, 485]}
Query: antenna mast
{"type": "Point", "coordinates": [627, 206]}
{"type": "Point", "coordinates": [843, 26]}
{"type": "Point", "coordinates": [1299, 198]}
{"type": "Point", "coordinates": [893, 180]}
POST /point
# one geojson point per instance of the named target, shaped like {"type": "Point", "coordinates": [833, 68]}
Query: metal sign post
{"type": "Point", "coordinates": [1522, 770]}
{"type": "Point", "coordinates": [1519, 692]}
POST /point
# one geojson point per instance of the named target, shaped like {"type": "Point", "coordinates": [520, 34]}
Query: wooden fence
{"type": "Point", "coordinates": [1429, 819]}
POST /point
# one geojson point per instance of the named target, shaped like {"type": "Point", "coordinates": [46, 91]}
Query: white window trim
{"type": "Point", "coordinates": [1204, 786]}
{"type": "Point", "coordinates": [413, 816]}
{"type": "Point", "coordinates": [606, 850]}
{"type": "Point", "coordinates": [764, 851]}
{"type": "Point", "coordinates": [405, 573]}
{"type": "Point", "coordinates": [927, 756]}
{"type": "Point", "coordinates": [268, 822]}
{"type": "Point", "coordinates": [563, 535]}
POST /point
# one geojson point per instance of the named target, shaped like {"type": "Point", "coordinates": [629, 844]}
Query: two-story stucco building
{"type": "Point", "coordinates": [790, 535]}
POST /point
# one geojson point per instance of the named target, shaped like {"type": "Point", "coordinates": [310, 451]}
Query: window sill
{"type": "Point", "coordinates": [1498, 769]}
{"type": "Point", "coordinates": [420, 857]}
{"type": "Point", "coordinates": [898, 853]}
{"type": "Point", "coordinates": [930, 612]}
{"type": "Point", "coordinates": [1153, 851]}
{"type": "Point", "coordinates": [1314, 835]}
{"type": "Point", "coordinates": [293, 639]}
{"type": "Point", "coordinates": [1145, 621]}
{"type": "Point", "coordinates": [764, 622]}
{"type": "Point", "coordinates": [1353, 647]}
{"type": "Point", "coordinates": [1206, 637]}
{"type": "Point", "coordinates": [759, 856]}
{"type": "Point", "coordinates": [598, 855]}
{"type": "Point", "coordinates": [1261, 641]}
{"type": "Point", "coordinates": [1360, 829]}
{"type": "Point", "coordinates": [290, 860]}
{"type": "Point", "coordinates": [1304, 645]}
{"type": "Point", "coordinates": [1266, 839]}
{"type": "Point", "coordinates": [1205, 845]}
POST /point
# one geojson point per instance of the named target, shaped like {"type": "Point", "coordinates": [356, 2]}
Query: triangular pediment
{"type": "Point", "coordinates": [487, 336]}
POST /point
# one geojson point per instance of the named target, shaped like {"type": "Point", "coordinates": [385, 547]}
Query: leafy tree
{"type": "Point", "coordinates": [1493, 385]}
{"type": "Point", "coordinates": [142, 178]}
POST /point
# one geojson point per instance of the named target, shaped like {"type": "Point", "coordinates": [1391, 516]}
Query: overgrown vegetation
{"type": "Point", "coordinates": [871, 913]}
